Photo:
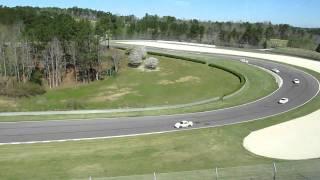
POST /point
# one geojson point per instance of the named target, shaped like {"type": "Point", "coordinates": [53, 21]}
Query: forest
{"type": "Point", "coordinates": [39, 45]}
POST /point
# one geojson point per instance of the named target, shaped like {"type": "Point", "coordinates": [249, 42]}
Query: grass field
{"type": "Point", "coordinates": [178, 151]}
{"type": "Point", "coordinates": [259, 84]}
{"type": "Point", "coordinates": [298, 52]}
{"type": "Point", "coordinates": [289, 170]}
{"type": "Point", "coordinates": [176, 82]}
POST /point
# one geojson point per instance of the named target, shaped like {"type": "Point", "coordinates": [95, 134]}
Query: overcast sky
{"type": "Point", "coordinates": [303, 13]}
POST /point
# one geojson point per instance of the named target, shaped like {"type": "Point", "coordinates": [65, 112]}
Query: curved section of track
{"type": "Point", "coordinates": [48, 131]}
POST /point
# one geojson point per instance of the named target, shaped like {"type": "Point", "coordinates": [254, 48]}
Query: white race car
{"type": "Point", "coordinates": [296, 81]}
{"type": "Point", "coordinates": [275, 70]}
{"type": "Point", "coordinates": [283, 100]}
{"type": "Point", "coordinates": [244, 60]}
{"type": "Point", "coordinates": [183, 124]}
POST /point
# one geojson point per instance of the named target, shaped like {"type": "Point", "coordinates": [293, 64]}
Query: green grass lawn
{"type": "Point", "coordinates": [298, 52]}
{"type": "Point", "coordinates": [177, 151]}
{"type": "Point", "coordinates": [259, 84]}
{"type": "Point", "coordinates": [176, 82]}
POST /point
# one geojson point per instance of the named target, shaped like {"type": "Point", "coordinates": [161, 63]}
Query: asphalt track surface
{"type": "Point", "coordinates": [51, 131]}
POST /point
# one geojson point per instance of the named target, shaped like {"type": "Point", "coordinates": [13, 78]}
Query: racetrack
{"type": "Point", "coordinates": [32, 132]}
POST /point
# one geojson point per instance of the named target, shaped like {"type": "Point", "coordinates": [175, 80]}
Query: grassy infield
{"type": "Point", "coordinates": [200, 90]}
{"type": "Point", "coordinates": [178, 151]}
{"type": "Point", "coordinates": [178, 81]}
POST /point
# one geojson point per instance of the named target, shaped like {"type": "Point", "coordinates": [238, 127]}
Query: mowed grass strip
{"type": "Point", "coordinates": [304, 53]}
{"type": "Point", "coordinates": [176, 82]}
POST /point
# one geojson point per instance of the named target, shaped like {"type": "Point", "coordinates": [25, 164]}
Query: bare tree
{"type": "Point", "coordinates": [48, 70]}
{"type": "Point", "coordinates": [30, 63]}
{"type": "Point", "coordinates": [16, 66]}
{"type": "Point", "coordinates": [55, 61]}
{"type": "Point", "coordinates": [116, 57]}
{"type": "Point", "coordinates": [3, 61]}
{"type": "Point", "coordinates": [26, 61]}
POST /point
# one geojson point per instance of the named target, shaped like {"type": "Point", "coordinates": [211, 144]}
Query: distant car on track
{"type": "Point", "coordinates": [275, 70]}
{"type": "Point", "coordinates": [183, 124]}
{"type": "Point", "coordinates": [244, 60]}
{"type": "Point", "coordinates": [296, 81]}
{"type": "Point", "coordinates": [283, 101]}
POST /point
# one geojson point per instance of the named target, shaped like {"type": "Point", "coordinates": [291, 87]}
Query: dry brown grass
{"type": "Point", "coordinates": [113, 94]}
{"type": "Point", "coordinates": [6, 102]}
{"type": "Point", "coordinates": [192, 79]}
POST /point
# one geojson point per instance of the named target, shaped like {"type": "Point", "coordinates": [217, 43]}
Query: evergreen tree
{"type": "Point", "coordinates": [318, 48]}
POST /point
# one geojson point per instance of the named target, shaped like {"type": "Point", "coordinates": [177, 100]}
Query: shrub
{"type": "Point", "coordinates": [137, 55]}
{"type": "Point", "coordinates": [22, 90]}
{"type": "Point", "coordinates": [135, 58]}
{"type": "Point", "coordinates": [242, 79]}
{"type": "Point", "coordinates": [151, 63]}
{"type": "Point", "coordinates": [36, 76]}
{"type": "Point", "coordinates": [177, 57]}
{"type": "Point", "coordinates": [302, 43]}
{"type": "Point", "coordinates": [74, 104]}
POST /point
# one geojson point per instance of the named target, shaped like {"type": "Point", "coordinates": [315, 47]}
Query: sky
{"type": "Point", "coordinates": [302, 13]}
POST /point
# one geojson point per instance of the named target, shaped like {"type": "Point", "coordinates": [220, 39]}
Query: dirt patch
{"type": "Point", "coordinates": [193, 79]}
{"type": "Point", "coordinates": [112, 87]}
{"type": "Point", "coordinates": [166, 82]}
{"type": "Point", "coordinates": [113, 94]}
{"type": "Point", "coordinates": [188, 79]}
{"type": "Point", "coordinates": [116, 96]}
{"type": "Point", "coordinates": [7, 103]}
{"type": "Point", "coordinates": [69, 78]}
{"type": "Point", "coordinates": [144, 69]}
{"type": "Point", "coordinates": [105, 89]}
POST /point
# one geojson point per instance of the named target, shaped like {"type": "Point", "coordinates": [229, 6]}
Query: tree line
{"type": "Point", "coordinates": [237, 34]}
{"type": "Point", "coordinates": [39, 46]}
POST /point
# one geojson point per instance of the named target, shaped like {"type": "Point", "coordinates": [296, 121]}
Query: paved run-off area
{"type": "Point", "coordinates": [297, 139]}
